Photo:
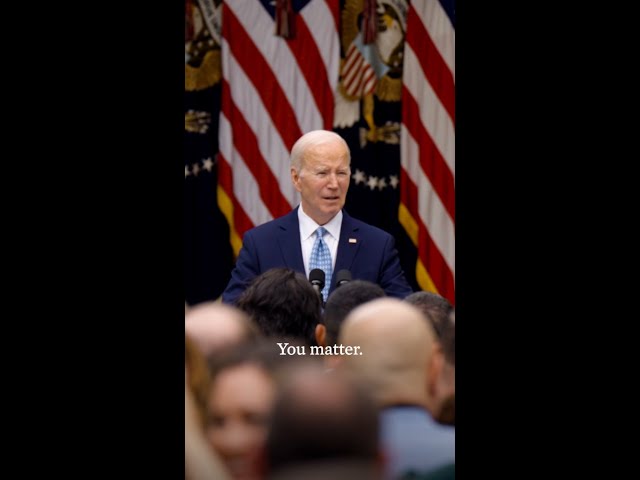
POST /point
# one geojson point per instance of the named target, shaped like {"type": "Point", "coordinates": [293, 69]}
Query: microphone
{"type": "Point", "coordinates": [316, 277]}
{"type": "Point", "coordinates": [342, 277]}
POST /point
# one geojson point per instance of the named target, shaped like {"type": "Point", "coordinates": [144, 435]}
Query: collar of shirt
{"type": "Point", "coordinates": [308, 225]}
{"type": "Point", "coordinates": [307, 239]}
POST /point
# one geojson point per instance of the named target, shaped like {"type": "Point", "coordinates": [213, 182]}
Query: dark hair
{"type": "Point", "coordinates": [449, 338]}
{"type": "Point", "coordinates": [438, 311]}
{"type": "Point", "coordinates": [304, 429]}
{"type": "Point", "coordinates": [282, 303]}
{"type": "Point", "coordinates": [343, 300]}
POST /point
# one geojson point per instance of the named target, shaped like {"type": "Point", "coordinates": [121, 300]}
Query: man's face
{"type": "Point", "coordinates": [323, 180]}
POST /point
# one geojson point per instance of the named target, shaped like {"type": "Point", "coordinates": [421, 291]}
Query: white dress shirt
{"type": "Point", "coordinates": [307, 238]}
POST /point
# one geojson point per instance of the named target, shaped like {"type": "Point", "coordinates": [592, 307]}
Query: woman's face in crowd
{"type": "Point", "coordinates": [239, 403]}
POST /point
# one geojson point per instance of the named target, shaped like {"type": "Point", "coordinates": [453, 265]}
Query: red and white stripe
{"type": "Point", "coordinates": [427, 146]}
{"type": "Point", "coordinates": [273, 91]}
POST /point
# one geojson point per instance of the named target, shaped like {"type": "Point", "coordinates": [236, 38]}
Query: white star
{"type": "Point", "coordinates": [196, 169]}
{"type": "Point", "coordinates": [373, 182]}
{"type": "Point", "coordinates": [358, 176]}
{"type": "Point", "coordinates": [186, 171]}
{"type": "Point", "coordinates": [382, 183]}
{"type": "Point", "coordinates": [393, 181]}
{"type": "Point", "coordinates": [208, 164]}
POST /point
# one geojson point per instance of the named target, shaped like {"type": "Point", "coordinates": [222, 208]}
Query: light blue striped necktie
{"type": "Point", "coordinates": [321, 258]}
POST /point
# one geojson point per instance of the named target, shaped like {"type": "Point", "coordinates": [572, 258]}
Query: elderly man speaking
{"type": "Point", "coordinates": [319, 234]}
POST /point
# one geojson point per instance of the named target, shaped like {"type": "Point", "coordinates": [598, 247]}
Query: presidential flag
{"type": "Point", "coordinates": [368, 114]}
{"type": "Point", "coordinates": [207, 254]}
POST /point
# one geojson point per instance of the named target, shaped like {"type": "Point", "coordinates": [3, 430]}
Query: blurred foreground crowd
{"type": "Point", "coordinates": [271, 394]}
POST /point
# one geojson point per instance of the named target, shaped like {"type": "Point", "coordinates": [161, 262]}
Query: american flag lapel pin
{"type": "Point", "coordinates": [353, 240]}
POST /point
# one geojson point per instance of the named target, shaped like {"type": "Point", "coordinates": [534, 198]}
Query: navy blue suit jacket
{"type": "Point", "coordinates": [372, 257]}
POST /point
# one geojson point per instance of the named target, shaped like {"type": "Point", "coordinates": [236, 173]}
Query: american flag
{"type": "Point", "coordinates": [359, 71]}
{"type": "Point", "coordinates": [274, 90]}
{"type": "Point", "coordinates": [427, 148]}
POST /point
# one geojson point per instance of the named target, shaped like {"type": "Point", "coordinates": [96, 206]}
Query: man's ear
{"type": "Point", "coordinates": [295, 179]}
{"type": "Point", "coordinates": [321, 333]}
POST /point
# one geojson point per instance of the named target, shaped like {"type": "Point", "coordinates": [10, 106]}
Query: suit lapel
{"type": "Point", "coordinates": [348, 245]}
{"type": "Point", "coordinates": [289, 241]}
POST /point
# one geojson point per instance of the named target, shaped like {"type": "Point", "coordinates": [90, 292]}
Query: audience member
{"type": "Point", "coordinates": [322, 426]}
{"type": "Point", "coordinates": [282, 303]}
{"type": "Point", "coordinates": [398, 363]}
{"type": "Point", "coordinates": [440, 313]}
{"type": "Point", "coordinates": [213, 325]}
{"type": "Point", "coordinates": [435, 307]}
{"type": "Point", "coordinates": [240, 399]}
{"type": "Point", "coordinates": [340, 303]}
{"type": "Point", "coordinates": [200, 463]}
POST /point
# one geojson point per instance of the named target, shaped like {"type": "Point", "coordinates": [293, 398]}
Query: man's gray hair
{"type": "Point", "coordinates": [312, 139]}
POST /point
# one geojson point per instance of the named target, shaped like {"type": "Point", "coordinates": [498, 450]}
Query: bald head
{"type": "Point", "coordinates": [213, 325]}
{"type": "Point", "coordinates": [397, 347]}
